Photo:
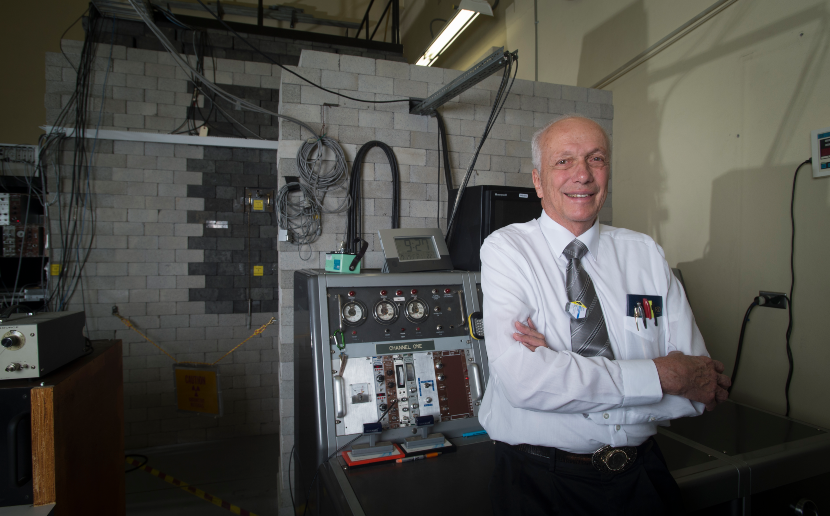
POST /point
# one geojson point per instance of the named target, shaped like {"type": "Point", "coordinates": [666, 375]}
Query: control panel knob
{"type": "Point", "coordinates": [405, 409]}
{"type": "Point", "coordinates": [439, 327]}
{"type": "Point", "coordinates": [12, 367]}
{"type": "Point", "coordinates": [436, 309]}
{"type": "Point", "coordinates": [379, 378]}
{"type": "Point", "coordinates": [414, 291]}
{"type": "Point", "coordinates": [435, 291]}
{"type": "Point", "coordinates": [439, 365]}
{"type": "Point", "coordinates": [351, 293]}
{"type": "Point", "coordinates": [404, 399]}
{"type": "Point", "coordinates": [447, 290]}
{"type": "Point", "coordinates": [414, 405]}
{"type": "Point", "coordinates": [382, 407]}
{"type": "Point", "coordinates": [390, 385]}
{"type": "Point", "coordinates": [429, 400]}
{"type": "Point", "coordinates": [413, 389]}
{"type": "Point", "coordinates": [10, 341]}
{"type": "Point", "coordinates": [389, 372]}
{"type": "Point", "coordinates": [440, 377]}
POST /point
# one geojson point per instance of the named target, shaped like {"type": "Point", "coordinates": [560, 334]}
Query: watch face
{"type": "Point", "coordinates": [385, 312]}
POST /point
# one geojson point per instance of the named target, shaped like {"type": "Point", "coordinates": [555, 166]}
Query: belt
{"type": "Point", "coordinates": [606, 459]}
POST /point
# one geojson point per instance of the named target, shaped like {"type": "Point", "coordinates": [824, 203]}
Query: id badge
{"type": "Point", "coordinates": [576, 309]}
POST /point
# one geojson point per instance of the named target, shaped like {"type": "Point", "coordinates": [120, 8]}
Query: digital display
{"type": "Point", "coordinates": [415, 248]}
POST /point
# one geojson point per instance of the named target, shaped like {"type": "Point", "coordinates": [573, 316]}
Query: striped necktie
{"type": "Point", "coordinates": [589, 335]}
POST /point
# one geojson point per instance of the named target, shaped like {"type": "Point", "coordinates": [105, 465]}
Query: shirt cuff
{"type": "Point", "coordinates": [641, 383]}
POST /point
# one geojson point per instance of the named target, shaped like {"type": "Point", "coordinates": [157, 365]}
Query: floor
{"type": "Point", "coordinates": [242, 472]}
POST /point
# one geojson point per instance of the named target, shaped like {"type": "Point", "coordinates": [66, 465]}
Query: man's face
{"type": "Point", "coordinates": [573, 182]}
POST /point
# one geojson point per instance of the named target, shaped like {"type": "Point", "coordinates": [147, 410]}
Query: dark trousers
{"type": "Point", "coordinates": [526, 485]}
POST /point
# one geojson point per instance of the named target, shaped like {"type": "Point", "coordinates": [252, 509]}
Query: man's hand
{"type": "Point", "coordinates": [695, 378]}
{"type": "Point", "coordinates": [528, 336]}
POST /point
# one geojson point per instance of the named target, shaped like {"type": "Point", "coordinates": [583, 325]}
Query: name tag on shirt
{"type": "Point", "coordinates": [576, 309]}
{"type": "Point", "coordinates": [655, 304]}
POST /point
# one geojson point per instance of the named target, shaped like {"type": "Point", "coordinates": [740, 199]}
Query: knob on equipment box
{"type": "Point", "coordinates": [35, 345]}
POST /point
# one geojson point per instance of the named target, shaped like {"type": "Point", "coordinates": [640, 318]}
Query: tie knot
{"type": "Point", "coordinates": [575, 250]}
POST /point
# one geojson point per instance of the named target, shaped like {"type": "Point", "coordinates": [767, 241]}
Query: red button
{"type": "Point", "coordinates": [400, 292]}
{"type": "Point", "coordinates": [354, 332]}
{"type": "Point", "coordinates": [383, 292]}
{"type": "Point", "coordinates": [414, 291]}
{"type": "Point", "coordinates": [351, 293]}
{"type": "Point", "coordinates": [418, 329]}
{"type": "Point", "coordinates": [447, 291]}
{"type": "Point", "coordinates": [403, 330]}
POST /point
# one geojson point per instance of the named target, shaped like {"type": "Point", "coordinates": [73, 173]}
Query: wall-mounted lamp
{"type": "Point", "coordinates": [468, 10]}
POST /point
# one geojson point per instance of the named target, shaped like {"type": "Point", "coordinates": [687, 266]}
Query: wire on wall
{"type": "Point", "coordinates": [501, 97]}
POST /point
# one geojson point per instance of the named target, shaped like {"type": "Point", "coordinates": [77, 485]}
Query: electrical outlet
{"type": "Point", "coordinates": [772, 299]}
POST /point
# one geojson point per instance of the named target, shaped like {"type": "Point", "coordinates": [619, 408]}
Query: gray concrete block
{"type": "Point", "coordinates": [111, 214]}
{"type": "Point", "coordinates": [376, 119]}
{"type": "Point", "coordinates": [190, 307]}
{"type": "Point", "coordinates": [138, 215]}
{"type": "Point", "coordinates": [128, 67]}
{"type": "Point", "coordinates": [305, 112]}
{"type": "Point", "coordinates": [175, 85]}
{"type": "Point", "coordinates": [536, 104]}
{"type": "Point", "coordinates": [426, 74]}
{"type": "Point", "coordinates": [606, 111]}
{"type": "Point", "coordinates": [600, 96]}
{"type": "Point", "coordinates": [188, 151]}
{"type": "Point", "coordinates": [574, 93]}
{"type": "Point", "coordinates": [143, 242]}
{"type": "Point", "coordinates": [144, 56]}
{"type": "Point", "coordinates": [561, 106]}
{"type": "Point", "coordinates": [356, 64]}
{"type": "Point", "coordinates": [189, 203]}
{"type": "Point", "coordinates": [517, 149]}
{"type": "Point", "coordinates": [160, 97]}
{"type": "Point", "coordinates": [518, 117]}
{"type": "Point", "coordinates": [393, 137]}
{"type": "Point", "coordinates": [128, 121]}
{"type": "Point", "coordinates": [314, 95]}
{"type": "Point", "coordinates": [547, 90]}
{"type": "Point", "coordinates": [157, 176]}
{"type": "Point", "coordinates": [122, 147]}
{"type": "Point", "coordinates": [589, 110]}
{"type": "Point", "coordinates": [322, 60]}
{"type": "Point", "coordinates": [172, 242]}
{"type": "Point", "coordinates": [476, 96]}
{"type": "Point", "coordinates": [142, 189]}
{"type": "Point", "coordinates": [188, 230]}
{"type": "Point", "coordinates": [190, 255]}
{"type": "Point", "coordinates": [184, 178]}
{"type": "Point", "coordinates": [312, 74]}
{"type": "Point", "coordinates": [407, 88]}
{"type": "Point", "coordinates": [253, 68]}
{"type": "Point", "coordinates": [141, 162]}
{"type": "Point", "coordinates": [375, 84]}
{"type": "Point", "coordinates": [409, 122]}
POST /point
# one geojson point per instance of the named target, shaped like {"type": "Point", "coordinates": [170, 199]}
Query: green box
{"type": "Point", "coordinates": [339, 262]}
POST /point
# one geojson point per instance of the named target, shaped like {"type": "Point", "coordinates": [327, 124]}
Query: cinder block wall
{"type": "Point", "coordinates": [504, 159]}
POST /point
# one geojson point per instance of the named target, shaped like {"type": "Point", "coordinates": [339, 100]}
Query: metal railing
{"type": "Point", "coordinates": [395, 19]}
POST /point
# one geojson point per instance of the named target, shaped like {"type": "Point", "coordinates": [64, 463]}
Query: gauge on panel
{"type": "Point", "coordinates": [385, 312]}
{"type": "Point", "coordinates": [416, 310]}
{"type": "Point", "coordinates": [354, 313]}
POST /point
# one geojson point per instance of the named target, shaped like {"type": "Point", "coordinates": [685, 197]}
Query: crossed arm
{"type": "Point", "coordinates": [696, 378]}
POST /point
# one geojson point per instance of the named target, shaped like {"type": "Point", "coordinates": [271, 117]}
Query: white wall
{"type": "Point", "coordinates": [707, 135]}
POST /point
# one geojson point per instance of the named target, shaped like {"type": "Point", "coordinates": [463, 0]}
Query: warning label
{"type": "Point", "coordinates": [197, 390]}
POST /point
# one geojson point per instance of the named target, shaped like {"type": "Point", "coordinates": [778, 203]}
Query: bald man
{"type": "Point", "coordinates": [592, 346]}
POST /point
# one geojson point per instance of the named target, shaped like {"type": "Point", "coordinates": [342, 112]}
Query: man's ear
{"type": "Point", "coordinates": [537, 183]}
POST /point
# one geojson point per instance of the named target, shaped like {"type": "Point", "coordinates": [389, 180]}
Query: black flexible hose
{"type": "Point", "coordinates": [442, 132]}
{"type": "Point", "coordinates": [354, 223]}
{"type": "Point", "coordinates": [741, 343]}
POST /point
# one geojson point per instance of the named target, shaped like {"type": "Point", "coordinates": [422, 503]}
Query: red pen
{"type": "Point", "coordinates": [647, 308]}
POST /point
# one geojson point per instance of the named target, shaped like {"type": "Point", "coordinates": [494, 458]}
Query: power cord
{"type": "Point", "coordinates": [792, 285]}
{"type": "Point", "coordinates": [338, 450]}
{"type": "Point", "coordinates": [754, 303]}
{"type": "Point", "coordinates": [266, 56]}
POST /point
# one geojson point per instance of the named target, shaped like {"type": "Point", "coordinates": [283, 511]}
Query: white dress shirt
{"type": "Point", "coordinates": [554, 396]}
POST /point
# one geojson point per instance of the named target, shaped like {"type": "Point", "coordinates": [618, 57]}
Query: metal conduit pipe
{"type": "Point", "coordinates": [664, 43]}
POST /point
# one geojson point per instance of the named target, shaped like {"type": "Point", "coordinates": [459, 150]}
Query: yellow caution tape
{"type": "Point", "coordinates": [131, 326]}
{"type": "Point", "coordinates": [190, 489]}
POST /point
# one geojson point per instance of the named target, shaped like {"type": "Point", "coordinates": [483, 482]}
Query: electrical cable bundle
{"type": "Point", "coordinates": [76, 224]}
{"type": "Point", "coordinates": [354, 224]}
{"type": "Point", "coordinates": [444, 152]}
{"type": "Point", "coordinates": [196, 76]}
{"type": "Point", "coordinates": [501, 97]}
{"type": "Point", "coordinates": [303, 217]}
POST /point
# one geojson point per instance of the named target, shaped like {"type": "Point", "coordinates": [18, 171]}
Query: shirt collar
{"type": "Point", "coordinates": [558, 237]}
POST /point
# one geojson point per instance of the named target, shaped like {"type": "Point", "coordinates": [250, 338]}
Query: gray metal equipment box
{"type": "Point", "coordinates": [35, 345]}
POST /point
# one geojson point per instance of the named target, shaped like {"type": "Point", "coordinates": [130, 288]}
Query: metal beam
{"type": "Point", "coordinates": [484, 69]}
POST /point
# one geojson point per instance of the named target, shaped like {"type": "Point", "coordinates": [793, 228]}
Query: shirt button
{"type": "Point", "coordinates": [652, 419]}
{"type": "Point", "coordinates": [606, 416]}
{"type": "Point", "coordinates": [617, 427]}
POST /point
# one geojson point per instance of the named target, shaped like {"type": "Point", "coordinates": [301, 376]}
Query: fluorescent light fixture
{"type": "Point", "coordinates": [468, 10]}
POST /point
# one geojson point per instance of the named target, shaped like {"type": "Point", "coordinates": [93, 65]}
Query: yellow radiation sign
{"type": "Point", "coordinates": [258, 270]}
{"type": "Point", "coordinates": [197, 390]}
{"type": "Point", "coordinates": [259, 205]}
{"type": "Point", "coordinates": [55, 269]}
